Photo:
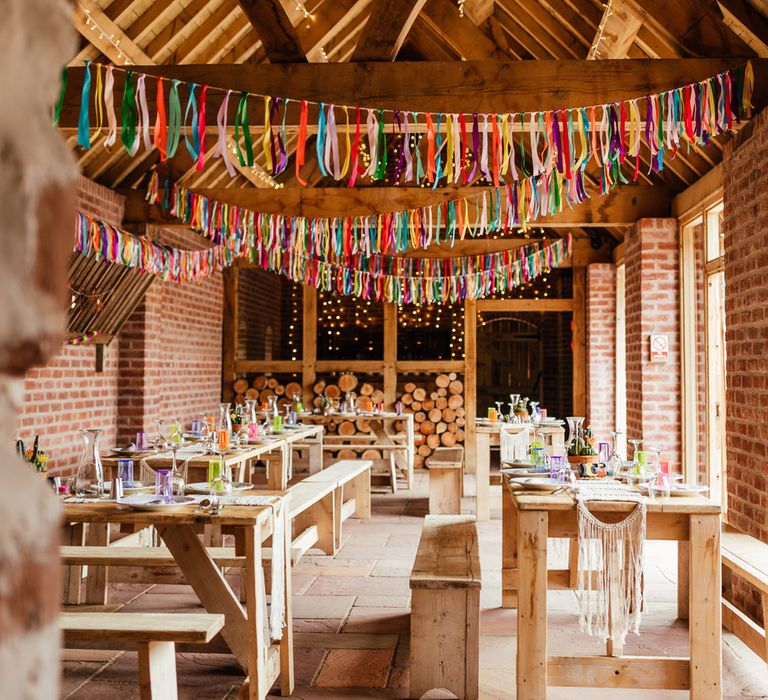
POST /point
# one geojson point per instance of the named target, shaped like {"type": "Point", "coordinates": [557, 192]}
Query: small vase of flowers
{"type": "Point", "coordinates": [34, 455]}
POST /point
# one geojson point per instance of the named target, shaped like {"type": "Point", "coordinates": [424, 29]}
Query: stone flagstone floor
{"type": "Point", "coordinates": [351, 622]}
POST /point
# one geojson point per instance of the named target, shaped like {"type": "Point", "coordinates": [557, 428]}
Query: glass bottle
{"type": "Point", "coordinates": [224, 426]}
{"type": "Point", "coordinates": [177, 436]}
{"type": "Point", "coordinates": [89, 480]}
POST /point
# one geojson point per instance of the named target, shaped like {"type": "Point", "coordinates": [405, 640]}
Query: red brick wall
{"type": "Point", "coordinates": [653, 306]}
{"type": "Point", "coordinates": [746, 273]}
{"type": "Point", "coordinates": [601, 348]}
{"type": "Point", "coordinates": [166, 361]}
{"type": "Point", "coordinates": [67, 393]}
{"type": "Point", "coordinates": [171, 349]}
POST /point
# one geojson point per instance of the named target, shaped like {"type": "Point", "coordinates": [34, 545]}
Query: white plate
{"type": "Point", "coordinates": [125, 450]}
{"type": "Point", "coordinates": [680, 489]}
{"type": "Point", "coordinates": [523, 471]}
{"type": "Point", "coordinates": [142, 501]}
{"type": "Point", "coordinates": [204, 487]}
{"type": "Point", "coordinates": [538, 483]}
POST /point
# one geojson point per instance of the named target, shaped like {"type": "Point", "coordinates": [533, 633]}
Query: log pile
{"type": "Point", "coordinates": [262, 387]}
{"type": "Point", "coordinates": [438, 413]}
{"type": "Point", "coordinates": [337, 390]}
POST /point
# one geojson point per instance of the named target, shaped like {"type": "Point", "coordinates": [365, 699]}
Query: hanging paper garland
{"type": "Point", "coordinates": [561, 140]}
{"type": "Point", "coordinates": [381, 278]}
{"type": "Point", "coordinates": [113, 245]}
{"type": "Point", "coordinates": [496, 210]}
{"type": "Point", "coordinates": [80, 339]}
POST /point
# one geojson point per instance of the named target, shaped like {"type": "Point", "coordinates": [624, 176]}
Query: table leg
{"type": "Point", "coordinates": [211, 587]}
{"type": "Point", "coordinates": [508, 549]}
{"type": "Point", "coordinates": [157, 671]}
{"type": "Point", "coordinates": [96, 585]}
{"type": "Point", "coordinates": [532, 605]}
{"type": "Point", "coordinates": [277, 479]}
{"type": "Point", "coordinates": [316, 456]}
{"type": "Point", "coordinates": [683, 576]}
{"type": "Point", "coordinates": [74, 535]}
{"type": "Point", "coordinates": [287, 681]}
{"type": "Point", "coordinates": [483, 476]}
{"type": "Point", "coordinates": [705, 623]}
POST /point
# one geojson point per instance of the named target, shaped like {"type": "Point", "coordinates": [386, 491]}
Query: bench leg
{"type": "Point", "coordinates": [157, 671]}
{"type": "Point", "coordinates": [360, 489]}
{"type": "Point", "coordinates": [444, 496]}
{"type": "Point", "coordinates": [683, 578]}
{"type": "Point", "coordinates": [323, 515]}
{"type": "Point", "coordinates": [96, 585]}
{"type": "Point", "coordinates": [508, 550]}
{"type": "Point", "coordinates": [393, 472]}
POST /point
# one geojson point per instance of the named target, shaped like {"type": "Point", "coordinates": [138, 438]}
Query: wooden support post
{"type": "Point", "coordinates": [309, 344]}
{"type": "Point", "coordinates": [705, 618]}
{"type": "Point", "coordinates": [509, 575]}
{"type": "Point", "coordinates": [96, 585]}
{"type": "Point", "coordinates": [390, 356]}
{"type": "Point", "coordinates": [579, 326]}
{"type": "Point", "coordinates": [683, 578]}
{"type": "Point", "coordinates": [229, 334]}
{"type": "Point", "coordinates": [482, 442]}
{"type": "Point", "coordinates": [470, 383]}
{"type": "Point", "coordinates": [157, 671]}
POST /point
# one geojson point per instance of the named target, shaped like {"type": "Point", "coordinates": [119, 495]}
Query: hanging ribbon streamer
{"type": "Point", "coordinates": [222, 147]}
{"type": "Point", "coordinates": [174, 119]}
{"type": "Point", "coordinates": [83, 129]}
{"type": "Point", "coordinates": [62, 93]}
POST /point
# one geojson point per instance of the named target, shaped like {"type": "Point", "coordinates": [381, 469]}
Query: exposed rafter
{"type": "Point", "coordinates": [386, 29]}
{"type": "Point", "coordinates": [746, 22]}
{"type": "Point", "coordinates": [105, 35]}
{"type": "Point", "coordinates": [622, 207]}
{"type": "Point", "coordinates": [273, 26]}
{"type": "Point", "coordinates": [616, 32]}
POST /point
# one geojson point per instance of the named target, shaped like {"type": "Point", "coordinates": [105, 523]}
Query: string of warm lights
{"type": "Point", "coordinates": [594, 51]}
{"type": "Point", "coordinates": [103, 33]}
{"type": "Point", "coordinates": [294, 324]}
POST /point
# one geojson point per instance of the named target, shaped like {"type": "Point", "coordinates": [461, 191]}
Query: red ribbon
{"type": "Point", "coordinates": [431, 167]}
{"type": "Point", "coordinates": [161, 127]}
{"type": "Point", "coordinates": [301, 146]}
{"type": "Point", "coordinates": [201, 130]}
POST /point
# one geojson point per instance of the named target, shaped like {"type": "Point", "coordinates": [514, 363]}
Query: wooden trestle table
{"type": "Point", "coordinates": [488, 435]}
{"type": "Point", "coordinates": [528, 518]}
{"type": "Point", "coordinates": [244, 628]}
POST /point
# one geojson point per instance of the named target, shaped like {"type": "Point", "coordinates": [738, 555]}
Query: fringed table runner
{"type": "Point", "coordinates": [513, 447]}
{"type": "Point", "coordinates": [611, 605]}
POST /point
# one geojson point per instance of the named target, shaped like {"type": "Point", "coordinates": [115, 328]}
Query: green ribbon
{"type": "Point", "coordinates": [83, 131]}
{"type": "Point", "coordinates": [60, 99]}
{"type": "Point", "coordinates": [128, 112]}
{"type": "Point", "coordinates": [241, 122]}
{"type": "Point", "coordinates": [174, 119]}
{"type": "Point", "coordinates": [381, 168]}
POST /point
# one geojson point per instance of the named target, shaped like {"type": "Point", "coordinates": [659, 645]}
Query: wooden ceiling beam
{"type": "Point", "coordinates": [547, 22]}
{"type": "Point", "coordinates": [471, 42]}
{"type": "Point", "coordinates": [482, 86]}
{"type": "Point", "coordinates": [386, 29]}
{"type": "Point", "coordinates": [747, 23]}
{"type": "Point", "coordinates": [617, 31]}
{"type": "Point", "coordinates": [275, 29]}
{"type": "Point", "coordinates": [89, 19]}
{"type": "Point", "coordinates": [622, 207]}
{"type": "Point", "coordinates": [696, 26]}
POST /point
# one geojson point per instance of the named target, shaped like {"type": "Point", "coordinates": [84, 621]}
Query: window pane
{"type": "Point", "coordinates": [269, 316]}
{"type": "Point", "coordinates": [715, 234]}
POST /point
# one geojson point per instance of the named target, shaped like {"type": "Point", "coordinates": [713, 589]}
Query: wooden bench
{"type": "Point", "coordinates": [352, 479]}
{"type": "Point", "coordinates": [361, 443]}
{"type": "Point", "coordinates": [747, 557]}
{"type": "Point", "coordinates": [446, 480]}
{"type": "Point", "coordinates": [445, 608]}
{"type": "Point", "coordinates": [154, 634]}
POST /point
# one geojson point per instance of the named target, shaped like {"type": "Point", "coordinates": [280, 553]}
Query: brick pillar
{"type": "Point", "coordinates": [653, 306]}
{"type": "Point", "coordinates": [601, 348]}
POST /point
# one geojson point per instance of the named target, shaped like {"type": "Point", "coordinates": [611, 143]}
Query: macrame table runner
{"type": "Point", "coordinates": [611, 605]}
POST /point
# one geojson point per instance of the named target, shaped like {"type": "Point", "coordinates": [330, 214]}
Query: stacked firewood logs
{"type": "Point", "coordinates": [438, 413]}
{"type": "Point", "coordinates": [262, 387]}
{"type": "Point", "coordinates": [337, 390]}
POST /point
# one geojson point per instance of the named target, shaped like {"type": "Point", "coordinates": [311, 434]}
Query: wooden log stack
{"type": "Point", "coordinates": [262, 387]}
{"type": "Point", "coordinates": [438, 412]}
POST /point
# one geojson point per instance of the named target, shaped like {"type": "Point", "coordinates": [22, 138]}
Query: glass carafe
{"type": "Point", "coordinates": [89, 480]}
{"type": "Point", "coordinates": [575, 437]}
{"type": "Point", "coordinates": [224, 426]}
{"type": "Point", "coordinates": [251, 410]}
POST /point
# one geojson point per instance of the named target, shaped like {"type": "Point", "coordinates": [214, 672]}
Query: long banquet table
{"type": "Point", "coordinates": [244, 629]}
{"type": "Point", "coordinates": [529, 518]}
